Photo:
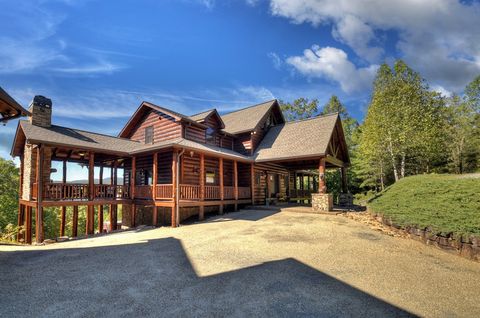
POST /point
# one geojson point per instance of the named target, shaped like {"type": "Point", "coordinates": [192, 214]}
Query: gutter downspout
{"type": "Point", "coordinates": [177, 189]}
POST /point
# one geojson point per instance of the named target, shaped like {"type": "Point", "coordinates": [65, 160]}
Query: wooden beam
{"type": "Point", "coordinates": [64, 171]}
{"type": "Point", "coordinates": [100, 177]}
{"type": "Point", "coordinates": [174, 189]}
{"type": "Point", "coordinates": [322, 185]}
{"type": "Point", "coordinates": [75, 221]}
{"type": "Point", "coordinates": [132, 190]}
{"type": "Point", "coordinates": [334, 161]}
{"type": "Point", "coordinates": [252, 182]}
{"type": "Point", "coordinates": [62, 221]}
{"type": "Point", "coordinates": [21, 220]}
{"type": "Point", "coordinates": [90, 220]}
{"type": "Point", "coordinates": [91, 180]}
{"type": "Point", "coordinates": [155, 175]}
{"type": "Point", "coordinates": [39, 209]}
{"type": "Point", "coordinates": [155, 216]}
{"type": "Point", "coordinates": [235, 183]}
{"type": "Point", "coordinates": [100, 219]}
{"type": "Point", "coordinates": [28, 225]}
{"type": "Point", "coordinates": [220, 173]}
{"type": "Point", "coordinates": [201, 214]}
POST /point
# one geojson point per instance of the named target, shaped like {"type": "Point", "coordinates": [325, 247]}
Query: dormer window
{"type": "Point", "coordinates": [149, 135]}
{"type": "Point", "coordinates": [210, 135]}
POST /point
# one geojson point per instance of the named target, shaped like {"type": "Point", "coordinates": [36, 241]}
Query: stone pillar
{"type": "Point", "coordinates": [322, 202]}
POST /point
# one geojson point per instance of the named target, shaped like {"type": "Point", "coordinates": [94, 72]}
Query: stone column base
{"type": "Point", "coordinates": [322, 202]}
{"type": "Point", "coordinates": [345, 199]}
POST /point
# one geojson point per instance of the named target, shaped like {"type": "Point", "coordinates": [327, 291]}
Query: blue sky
{"type": "Point", "coordinates": [97, 60]}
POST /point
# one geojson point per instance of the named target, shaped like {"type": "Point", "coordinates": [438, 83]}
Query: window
{"type": "Point", "coordinates": [210, 177]}
{"type": "Point", "coordinates": [149, 135]}
{"type": "Point", "coordinates": [257, 178]}
{"type": "Point", "coordinates": [210, 135]}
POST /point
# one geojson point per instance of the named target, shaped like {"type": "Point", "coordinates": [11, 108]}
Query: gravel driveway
{"type": "Point", "coordinates": [249, 263]}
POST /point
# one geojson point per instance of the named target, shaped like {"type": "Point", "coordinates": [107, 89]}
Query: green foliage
{"type": "Point", "coordinates": [9, 176]}
{"type": "Point", "coordinates": [300, 108]}
{"type": "Point", "coordinates": [444, 203]}
{"type": "Point", "coordinates": [404, 127]}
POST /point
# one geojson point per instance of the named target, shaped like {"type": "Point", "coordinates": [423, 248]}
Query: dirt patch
{"type": "Point", "coordinates": [374, 224]}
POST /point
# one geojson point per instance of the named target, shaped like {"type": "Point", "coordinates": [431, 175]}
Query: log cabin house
{"type": "Point", "coordinates": [175, 166]}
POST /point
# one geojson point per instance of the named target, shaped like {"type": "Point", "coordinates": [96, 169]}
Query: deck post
{"type": "Point", "coordinates": [235, 183]}
{"type": "Point", "coordinates": [91, 196]}
{"type": "Point", "coordinates": [174, 189]}
{"type": "Point", "coordinates": [39, 208]}
{"type": "Point", "coordinates": [62, 221]}
{"type": "Point", "coordinates": [100, 219]}
{"type": "Point", "coordinates": [220, 173]}
{"type": "Point", "coordinates": [201, 214]}
{"type": "Point", "coordinates": [132, 191]}
{"type": "Point", "coordinates": [100, 177]}
{"type": "Point", "coordinates": [75, 221]}
{"type": "Point", "coordinates": [252, 183]}
{"type": "Point", "coordinates": [28, 225]}
{"type": "Point", "coordinates": [154, 190]}
{"type": "Point", "coordinates": [21, 220]}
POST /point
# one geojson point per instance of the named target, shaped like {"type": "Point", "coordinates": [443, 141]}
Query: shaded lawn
{"type": "Point", "coordinates": [444, 203]}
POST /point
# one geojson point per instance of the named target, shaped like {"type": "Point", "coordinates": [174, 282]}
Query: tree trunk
{"type": "Point", "coordinates": [402, 166]}
{"type": "Point", "coordinates": [394, 163]}
{"type": "Point", "coordinates": [382, 183]}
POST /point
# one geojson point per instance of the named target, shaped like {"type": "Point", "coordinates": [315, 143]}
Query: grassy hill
{"type": "Point", "coordinates": [444, 203]}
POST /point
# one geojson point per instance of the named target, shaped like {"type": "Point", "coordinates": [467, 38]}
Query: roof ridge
{"type": "Point", "coordinates": [208, 110]}
{"type": "Point", "coordinates": [165, 108]}
{"type": "Point", "coordinates": [268, 101]}
{"type": "Point", "coordinates": [311, 118]}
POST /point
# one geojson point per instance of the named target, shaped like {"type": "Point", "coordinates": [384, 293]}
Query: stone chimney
{"type": "Point", "coordinates": [41, 110]}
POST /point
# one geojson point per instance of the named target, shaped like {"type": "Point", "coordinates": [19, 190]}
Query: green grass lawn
{"type": "Point", "coordinates": [444, 203]}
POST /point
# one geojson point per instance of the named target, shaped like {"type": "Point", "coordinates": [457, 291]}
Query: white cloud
{"type": "Point", "coordinates": [439, 38]}
{"type": "Point", "coordinates": [333, 64]}
{"type": "Point", "coordinates": [276, 60]}
{"type": "Point", "coordinates": [32, 45]}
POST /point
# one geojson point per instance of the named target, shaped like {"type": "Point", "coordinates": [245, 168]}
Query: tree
{"type": "Point", "coordinates": [404, 123]}
{"type": "Point", "coordinates": [300, 108]}
{"type": "Point", "coordinates": [9, 176]}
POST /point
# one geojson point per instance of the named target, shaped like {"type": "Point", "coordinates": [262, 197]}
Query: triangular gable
{"type": "Point", "coordinates": [337, 146]}
{"type": "Point", "coordinates": [213, 119]}
{"type": "Point", "coordinates": [143, 109]}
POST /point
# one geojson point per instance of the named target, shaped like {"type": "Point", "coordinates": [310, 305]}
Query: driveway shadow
{"type": "Point", "coordinates": [155, 278]}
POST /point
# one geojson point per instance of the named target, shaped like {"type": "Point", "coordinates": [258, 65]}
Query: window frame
{"type": "Point", "coordinates": [148, 129]}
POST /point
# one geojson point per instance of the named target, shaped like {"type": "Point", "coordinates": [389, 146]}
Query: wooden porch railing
{"type": "Point", "coordinates": [65, 191]}
{"type": "Point", "coordinates": [143, 191]}
{"type": "Point", "coordinates": [229, 193]}
{"type": "Point", "coordinates": [212, 192]}
{"type": "Point", "coordinates": [164, 191]}
{"type": "Point", "coordinates": [189, 192]}
{"type": "Point", "coordinates": [298, 193]}
{"type": "Point", "coordinates": [244, 192]}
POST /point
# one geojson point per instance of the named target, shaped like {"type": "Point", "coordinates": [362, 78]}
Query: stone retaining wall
{"type": "Point", "coordinates": [465, 246]}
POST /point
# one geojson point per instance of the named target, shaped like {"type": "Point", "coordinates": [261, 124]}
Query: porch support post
{"type": "Point", "coordinates": [235, 182]}
{"type": "Point", "coordinates": [100, 219]}
{"type": "Point", "coordinates": [28, 225]}
{"type": "Point", "coordinates": [174, 189]}
{"type": "Point", "coordinates": [252, 183]}
{"type": "Point", "coordinates": [75, 221]}
{"type": "Point", "coordinates": [154, 190]}
{"type": "Point", "coordinates": [91, 187]}
{"type": "Point", "coordinates": [220, 173]}
{"type": "Point", "coordinates": [100, 177]}
{"type": "Point", "coordinates": [21, 220]}
{"type": "Point", "coordinates": [62, 221]}
{"type": "Point", "coordinates": [322, 186]}
{"type": "Point", "coordinates": [39, 208]}
{"type": "Point", "coordinates": [201, 214]}
{"type": "Point", "coordinates": [132, 184]}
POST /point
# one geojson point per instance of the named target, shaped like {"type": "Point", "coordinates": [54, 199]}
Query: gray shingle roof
{"type": "Point", "coordinates": [58, 135]}
{"type": "Point", "coordinates": [297, 139]}
{"type": "Point", "coordinates": [245, 119]}
{"type": "Point", "coordinates": [63, 136]}
{"type": "Point", "coordinates": [201, 116]}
